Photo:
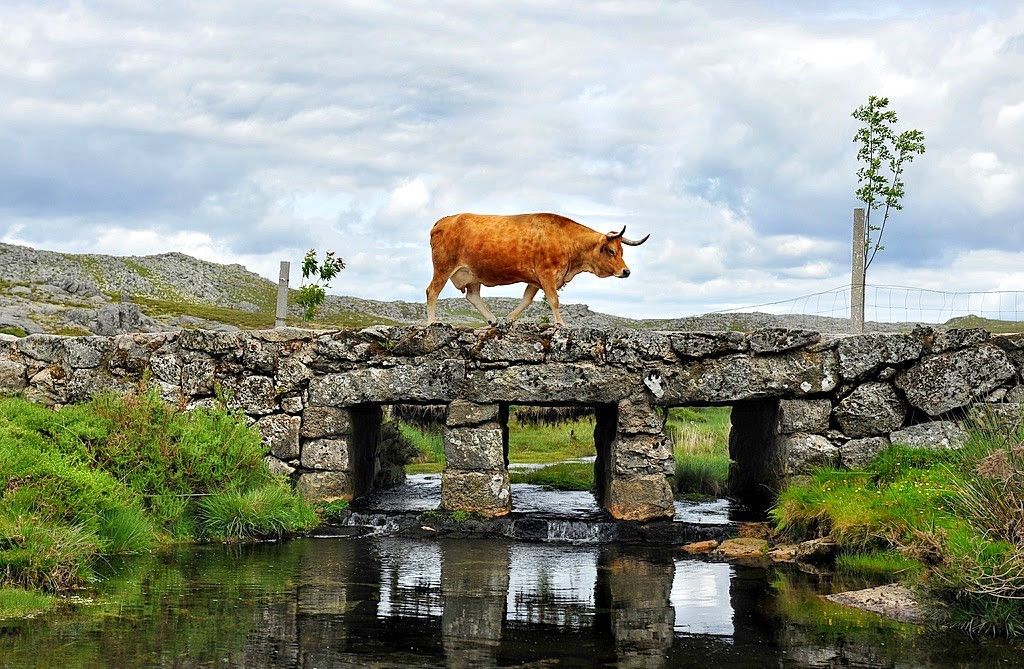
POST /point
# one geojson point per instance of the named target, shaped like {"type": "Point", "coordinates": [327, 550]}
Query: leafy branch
{"type": "Point", "coordinates": [311, 296]}
{"type": "Point", "coordinates": [885, 156]}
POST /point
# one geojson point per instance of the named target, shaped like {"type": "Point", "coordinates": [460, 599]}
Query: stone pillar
{"type": "Point", "coordinates": [633, 462]}
{"type": "Point", "coordinates": [475, 478]}
{"type": "Point", "coordinates": [338, 446]}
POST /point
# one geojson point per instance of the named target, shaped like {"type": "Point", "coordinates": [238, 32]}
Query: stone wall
{"type": "Point", "coordinates": [799, 397]}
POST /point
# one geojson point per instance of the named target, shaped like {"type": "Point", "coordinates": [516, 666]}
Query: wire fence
{"type": "Point", "coordinates": [895, 308]}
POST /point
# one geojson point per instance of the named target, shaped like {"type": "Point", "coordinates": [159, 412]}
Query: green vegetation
{"type": "Point", "coordinates": [550, 443]}
{"type": "Point", "coordinates": [122, 474]}
{"type": "Point", "coordinates": [561, 476]}
{"type": "Point", "coordinates": [887, 564]}
{"type": "Point", "coordinates": [16, 331]}
{"type": "Point", "coordinates": [429, 445]}
{"type": "Point", "coordinates": [885, 156]}
{"type": "Point", "coordinates": [947, 522]}
{"type": "Point", "coordinates": [18, 603]}
{"type": "Point", "coordinates": [701, 445]}
{"type": "Point", "coordinates": [312, 295]}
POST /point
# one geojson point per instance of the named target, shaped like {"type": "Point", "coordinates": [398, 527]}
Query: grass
{"type": "Point", "coordinates": [948, 522]}
{"type": "Point", "coordinates": [267, 512]}
{"type": "Point", "coordinates": [561, 476]}
{"type": "Point", "coordinates": [19, 603]}
{"type": "Point", "coordinates": [252, 320]}
{"type": "Point", "coordinates": [700, 438]}
{"type": "Point", "coordinates": [121, 475]}
{"type": "Point", "coordinates": [16, 331]}
{"type": "Point", "coordinates": [883, 565]}
{"type": "Point", "coordinates": [428, 444]}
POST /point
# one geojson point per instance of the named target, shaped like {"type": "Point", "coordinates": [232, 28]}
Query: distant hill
{"type": "Point", "coordinates": [44, 291]}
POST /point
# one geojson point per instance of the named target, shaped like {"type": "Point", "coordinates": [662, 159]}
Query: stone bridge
{"type": "Point", "coordinates": [798, 397]}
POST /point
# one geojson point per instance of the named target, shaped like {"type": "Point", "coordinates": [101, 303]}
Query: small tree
{"type": "Point", "coordinates": [311, 296]}
{"type": "Point", "coordinates": [885, 155]}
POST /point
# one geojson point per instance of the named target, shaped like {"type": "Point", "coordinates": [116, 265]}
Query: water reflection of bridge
{"type": "Point", "coordinates": [483, 602]}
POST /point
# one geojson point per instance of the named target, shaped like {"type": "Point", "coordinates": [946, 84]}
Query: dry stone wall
{"type": "Point", "coordinates": [800, 398]}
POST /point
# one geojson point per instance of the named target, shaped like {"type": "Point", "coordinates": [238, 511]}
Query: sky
{"type": "Point", "coordinates": [250, 132]}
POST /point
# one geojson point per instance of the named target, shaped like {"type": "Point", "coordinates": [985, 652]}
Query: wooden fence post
{"type": "Point", "coordinates": [857, 277]}
{"type": "Point", "coordinates": [282, 294]}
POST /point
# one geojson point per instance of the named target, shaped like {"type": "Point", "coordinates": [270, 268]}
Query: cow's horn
{"type": "Point", "coordinates": [634, 242]}
{"type": "Point", "coordinates": [616, 235]}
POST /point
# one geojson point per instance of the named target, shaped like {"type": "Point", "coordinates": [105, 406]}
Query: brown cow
{"type": "Point", "coordinates": [545, 251]}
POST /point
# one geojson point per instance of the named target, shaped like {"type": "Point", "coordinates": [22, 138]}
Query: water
{"type": "Point", "coordinates": [389, 592]}
{"type": "Point", "coordinates": [386, 601]}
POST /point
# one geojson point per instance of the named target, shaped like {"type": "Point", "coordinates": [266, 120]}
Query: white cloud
{"type": "Point", "coordinates": [255, 131]}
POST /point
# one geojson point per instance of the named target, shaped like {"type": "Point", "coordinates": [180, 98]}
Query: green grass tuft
{"type": "Point", "coordinates": [20, 603]}
{"type": "Point", "coordinates": [267, 512]}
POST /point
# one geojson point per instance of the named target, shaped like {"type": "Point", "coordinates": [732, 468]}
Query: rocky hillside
{"type": "Point", "coordinates": [43, 291]}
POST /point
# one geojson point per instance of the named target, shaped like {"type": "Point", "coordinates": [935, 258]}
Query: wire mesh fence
{"type": "Point", "coordinates": [892, 308]}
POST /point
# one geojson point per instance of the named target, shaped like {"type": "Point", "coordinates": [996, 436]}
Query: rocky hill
{"type": "Point", "coordinates": [44, 291]}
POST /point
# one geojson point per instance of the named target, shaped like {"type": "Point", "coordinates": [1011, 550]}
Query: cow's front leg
{"type": "Point", "coordinates": [473, 295]}
{"type": "Point", "coordinates": [551, 293]}
{"type": "Point", "coordinates": [528, 295]}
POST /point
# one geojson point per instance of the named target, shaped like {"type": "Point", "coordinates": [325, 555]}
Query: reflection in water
{"type": "Point", "coordinates": [395, 602]}
{"type": "Point", "coordinates": [698, 591]}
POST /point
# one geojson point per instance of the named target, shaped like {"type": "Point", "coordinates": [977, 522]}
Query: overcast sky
{"type": "Point", "coordinates": [251, 131]}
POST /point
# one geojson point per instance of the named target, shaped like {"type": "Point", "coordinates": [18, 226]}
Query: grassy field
{"type": "Point", "coordinates": [700, 436]}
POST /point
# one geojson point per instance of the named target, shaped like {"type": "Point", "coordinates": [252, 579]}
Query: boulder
{"type": "Point", "coordinates": [803, 452]}
{"type": "Point", "coordinates": [871, 409]}
{"type": "Point", "coordinates": [935, 435]}
{"type": "Point", "coordinates": [804, 416]}
{"type": "Point", "coordinates": [862, 355]}
{"type": "Point", "coordinates": [947, 381]}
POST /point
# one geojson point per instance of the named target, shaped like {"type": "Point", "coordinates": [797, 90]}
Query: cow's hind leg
{"type": "Point", "coordinates": [528, 295]}
{"type": "Point", "coordinates": [473, 295]}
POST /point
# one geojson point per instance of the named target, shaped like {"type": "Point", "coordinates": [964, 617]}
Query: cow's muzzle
{"type": "Point", "coordinates": [624, 273]}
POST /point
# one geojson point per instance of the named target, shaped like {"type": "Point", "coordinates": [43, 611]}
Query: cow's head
{"type": "Point", "coordinates": [608, 260]}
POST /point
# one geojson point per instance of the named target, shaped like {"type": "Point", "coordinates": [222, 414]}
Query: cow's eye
{"type": "Point", "coordinates": [611, 252]}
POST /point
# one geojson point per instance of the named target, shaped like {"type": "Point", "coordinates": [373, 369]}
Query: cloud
{"type": "Point", "coordinates": [256, 131]}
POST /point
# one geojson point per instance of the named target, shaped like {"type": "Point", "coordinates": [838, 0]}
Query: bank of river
{"type": "Point", "coordinates": [388, 601]}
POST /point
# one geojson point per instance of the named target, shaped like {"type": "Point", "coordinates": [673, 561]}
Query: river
{"type": "Point", "coordinates": [359, 599]}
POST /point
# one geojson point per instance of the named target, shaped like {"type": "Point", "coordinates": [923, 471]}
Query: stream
{"type": "Point", "coordinates": [373, 595]}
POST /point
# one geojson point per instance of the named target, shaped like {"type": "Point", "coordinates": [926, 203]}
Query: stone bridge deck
{"type": "Point", "coordinates": [798, 397]}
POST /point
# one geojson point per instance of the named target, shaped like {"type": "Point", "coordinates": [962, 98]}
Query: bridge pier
{"type": "Point", "coordinates": [475, 478]}
{"type": "Point", "coordinates": [634, 459]}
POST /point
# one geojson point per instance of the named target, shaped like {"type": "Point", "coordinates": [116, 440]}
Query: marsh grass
{"type": "Point", "coordinates": [700, 438]}
{"type": "Point", "coordinates": [19, 603]}
{"type": "Point", "coordinates": [562, 476]}
{"type": "Point", "coordinates": [877, 564]}
{"type": "Point", "coordinates": [267, 512]}
{"type": "Point", "coordinates": [121, 474]}
{"type": "Point", "coordinates": [429, 446]}
{"type": "Point", "coordinates": [959, 514]}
